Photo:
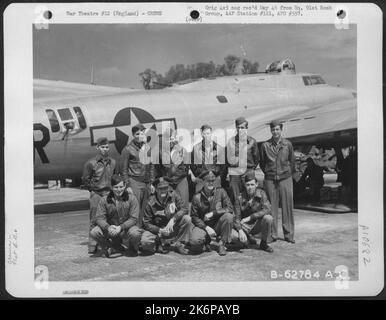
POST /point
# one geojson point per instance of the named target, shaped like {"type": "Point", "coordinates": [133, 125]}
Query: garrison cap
{"type": "Point", "coordinates": [250, 176]}
{"type": "Point", "coordinates": [207, 175]}
{"type": "Point", "coordinates": [240, 120]}
{"type": "Point", "coordinates": [137, 127]}
{"type": "Point", "coordinates": [102, 141]}
{"type": "Point", "coordinates": [275, 123]}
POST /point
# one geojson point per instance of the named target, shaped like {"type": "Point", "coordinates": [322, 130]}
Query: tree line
{"type": "Point", "coordinates": [178, 73]}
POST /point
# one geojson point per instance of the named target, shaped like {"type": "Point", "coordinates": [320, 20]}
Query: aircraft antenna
{"type": "Point", "coordinates": [243, 51]}
{"type": "Point", "coordinates": [92, 74]}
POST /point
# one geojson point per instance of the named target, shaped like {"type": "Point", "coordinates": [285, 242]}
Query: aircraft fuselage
{"type": "Point", "coordinates": [66, 129]}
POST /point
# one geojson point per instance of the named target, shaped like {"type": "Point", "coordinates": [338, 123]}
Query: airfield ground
{"type": "Point", "coordinates": [323, 241]}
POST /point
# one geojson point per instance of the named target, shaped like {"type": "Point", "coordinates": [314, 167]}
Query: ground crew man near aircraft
{"type": "Point", "coordinates": [116, 220]}
{"type": "Point", "coordinates": [208, 155]}
{"type": "Point", "coordinates": [278, 164]}
{"type": "Point", "coordinates": [347, 169]}
{"type": "Point", "coordinates": [166, 216]}
{"type": "Point", "coordinates": [137, 174]}
{"type": "Point", "coordinates": [313, 176]}
{"type": "Point", "coordinates": [253, 213]}
{"type": "Point", "coordinates": [174, 165]}
{"type": "Point", "coordinates": [244, 148]}
{"type": "Point", "coordinates": [96, 178]}
{"type": "Point", "coordinates": [212, 212]}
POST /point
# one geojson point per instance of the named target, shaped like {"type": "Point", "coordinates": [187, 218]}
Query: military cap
{"type": "Point", "coordinates": [137, 127]}
{"type": "Point", "coordinates": [275, 123]}
{"type": "Point", "coordinates": [240, 120]}
{"type": "Point", "coordinates": [102, 141]}
{"type": "Point", "coordinates": [207, 175]}
{"type": "Point", "coordinates": [250, 176]}
{"type": "Point", "coordinates": [161, 182]}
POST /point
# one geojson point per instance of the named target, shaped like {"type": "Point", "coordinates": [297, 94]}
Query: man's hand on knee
{"type": "Point", "coordinates": [208, 216]}
{"type": "Point", "coordinates": [210, 232]}
{"type": "Point", "coordinates": [163, 233]}
{"type": "Point", "coordinates": [169, 227]}
{"type": "Point", "coordinates": [113, 231]}
{"type": "Point", "coordinates": [242, 236]}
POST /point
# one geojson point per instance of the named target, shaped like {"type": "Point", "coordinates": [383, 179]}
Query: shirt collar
{"type": "Point", "coordinates": [99, 158]}
{"type": "Point", "coordinates": [137, 144]}
{"type": "Point", "coordinates": [237, 138]}
{"type": "Point", "coordinates": [279, 142]}
{"type": "Point", "coordinates": [116, 200]}
{"type": "Point", "coordinates": [208, 196]}
{"type": "Point", "coordinates": [255, 196]}
{"type": "Point", "coordinates": [205, 145]}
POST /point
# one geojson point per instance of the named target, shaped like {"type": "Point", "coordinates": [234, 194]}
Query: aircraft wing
{"type": "Point", "coordinates": [328, 124]}
{"type": "Point", "coordinates": [51, 90]}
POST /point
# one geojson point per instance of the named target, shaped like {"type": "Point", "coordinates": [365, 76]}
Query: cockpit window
{"type": "Point", "coordinates": [307, 81]}
{"type": "Point", "coordinates": [54, 123]}
{"type": "Point", "coordinates": [313, 80]}
{"type": "Point", "coordinates": [317, 80]}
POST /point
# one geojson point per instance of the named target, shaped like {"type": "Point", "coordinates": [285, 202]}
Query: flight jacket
{"type": "Point", "coordinates": [157, 215]}
{"type": "Point", "coordinates": [176, 170]}
{"type": "Point", "coordinates": [277, 161]}
{"type": "Point", "coordinates": [199, 164]}
{"type": "Point", "coordinates": [133, 167]}
{"type": "Point", "coordinates": [123, 213]}
{"type": "Point", "coordinates": [219, 203]}
{"type": "Point", "coordinates": [252, 152]}
{"type": "Point", "coordinates": [97, 173]}
{"type": "Point", "coordinates": [255, 208]}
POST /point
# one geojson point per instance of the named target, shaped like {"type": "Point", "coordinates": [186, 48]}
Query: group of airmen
{"type": "Point", "coordinates": [144, 208]}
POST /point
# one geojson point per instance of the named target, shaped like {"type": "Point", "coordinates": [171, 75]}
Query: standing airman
{"type": "Point", "coordinates": [244, 149]}
{"type": "Point", "coordinates": [278, 165]}
{"type": "Point", "coordinates": [138, 174]}
{"type": "Point", "coordinates": [97, 173]}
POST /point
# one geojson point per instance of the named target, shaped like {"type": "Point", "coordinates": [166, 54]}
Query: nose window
{"type": "Point", "coordinates": [80, 116]}
{"type": "Point", "coordinates": [54, 123]}
{"type": "Point", "coordinates": [65, 114]}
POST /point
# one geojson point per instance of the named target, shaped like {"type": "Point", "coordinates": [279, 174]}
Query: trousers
{"type": "Point", "coordinates": [182, 188]}
{"type": "Point", "coordinates": [94, 201]}
{"type": "Point", "coordinates": [260, 228]}
{"type": "Point", "coordinates": [134, 238]}
{"type": "Point", "coordinates": [181, 230]}
{"type": "Point", "coordinates": [141, 190]}
{"type": "Point", "coordinates": [281, 192]}
{"type": "Point", "coordinates": [223, 228]}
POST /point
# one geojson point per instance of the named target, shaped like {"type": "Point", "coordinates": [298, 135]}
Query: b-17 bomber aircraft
{"type": "Point", "coordinates": [70, 117]}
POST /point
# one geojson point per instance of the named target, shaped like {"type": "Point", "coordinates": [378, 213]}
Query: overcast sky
{"type": "Point", "coordinates": [119, 52]}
